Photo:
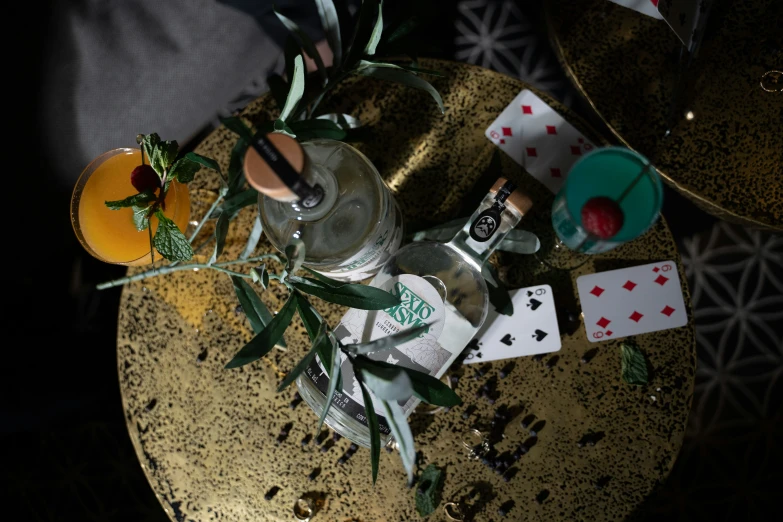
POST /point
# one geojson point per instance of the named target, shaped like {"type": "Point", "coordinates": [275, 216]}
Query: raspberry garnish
{"type": "Point", "coordinates": [602, 217]}
{"type": "Point", "coordinates": [145, 178]}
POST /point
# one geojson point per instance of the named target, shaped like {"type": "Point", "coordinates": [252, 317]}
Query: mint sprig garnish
{"type": "Point", "coordinates": [170, 241]}
{"type": "Point", "coordinates": [140, 199]}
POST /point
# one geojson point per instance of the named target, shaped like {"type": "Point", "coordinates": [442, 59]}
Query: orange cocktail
{"type": "Point", "coordinates": [110, 235]}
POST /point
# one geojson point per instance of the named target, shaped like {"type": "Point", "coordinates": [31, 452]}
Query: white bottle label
{"type": "Point", "coordinates": [421, 304]}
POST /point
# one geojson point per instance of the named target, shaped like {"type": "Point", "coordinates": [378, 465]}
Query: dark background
{"type": "Point", "coordinates": [66, 451]}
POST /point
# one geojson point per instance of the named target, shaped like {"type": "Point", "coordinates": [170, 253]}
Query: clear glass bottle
{"type": "Point", "coordinates": [440, 284]}
{"type": "Point", "coordinates": [329, 195]}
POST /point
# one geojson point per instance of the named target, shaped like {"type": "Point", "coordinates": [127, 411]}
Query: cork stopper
{"type": "Point", "coordinates": [518, 200]}
{"type": "Point", "coordinates": [262, 177]}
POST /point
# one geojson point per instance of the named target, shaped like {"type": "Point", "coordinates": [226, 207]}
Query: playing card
{"type": "Point", "coordinates": [681, 15]}
{"type": "Point", "coordinates": [530, 330]}
{"type": "Point", "coordinates": [631, 301]}
{"type": "Point", "coordinates": [539, 139]}
{"type": "Point", "coordinates": [648, 7]}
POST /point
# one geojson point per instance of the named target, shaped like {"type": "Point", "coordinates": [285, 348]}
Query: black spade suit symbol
{"type": "Point", "coordinates": [539, 335]}
{"type": "Point", "coordinates": [529, 293]}
{"type": "Point", "coordinates": [507, 339]}
{"type": "Point", "coordinates": [534, 303]}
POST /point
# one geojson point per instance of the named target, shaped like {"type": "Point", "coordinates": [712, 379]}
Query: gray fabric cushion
{"type": "Point", "coordinates": [117, 68]}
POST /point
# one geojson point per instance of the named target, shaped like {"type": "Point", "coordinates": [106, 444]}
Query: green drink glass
{"type": "Point", "coordinates": [619, 177]}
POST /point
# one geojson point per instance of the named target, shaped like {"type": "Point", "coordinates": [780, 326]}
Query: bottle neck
{"type": "Point", "coordinates": [478, 252]}
{"type": "Point", "coordinates": [318, 176]}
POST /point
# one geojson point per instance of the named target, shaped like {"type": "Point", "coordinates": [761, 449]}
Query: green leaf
{"type": "Point", "coordinates": [403, 29]}
{"type": "Point", "coordinates": [364, 64]}
{"type": "Point", "coordinates": [375, 431]}
{"type": "Point", "coordinates": [304, 40]}
{"type": "Point", "coordinates": [389, 384]}
{"type": "Point", "coordinates": [163, 156]}
{"type": "Point", "coordinates": [385, 343]}
{"type": "Point", "coordinates": [238, 127]}
{"type": "Point", "coordinates": [253, 238]}
{"type": "Point", "coordinates": [317, 128]}
{"type": "Point", "coordinates": [520, 242]}
{"type": "Point", "coordinates": [345, 121]}
{"type": "Point", "coordinates": [148, 143]}
{"type": "Point", "coordinates": [358, 296]}
{"type": "Point", "coordinates": [170, 241]}
{"type": "Point", "coordinates": [140, 217]}
{"type": "Point", "coordinates": [425, 387]}
{"type": "Point", "coordinates": [498, 293]}
{"type": "Point", "coordinates": [221, 230]}
{"type": "Point", "coordinates": [295, 255]}
{"type": "Point", "coordinates": [297, 89]}
{"type": "Point", "coordinates": [331, 25]}
{"type": "Point", "coordinates": [260, 276]}
{"type": "Point", "coordinates": [140, 199]}
{"type": "Point", "coordinates": [428, 494]}
{"type": "Point", "coordinates": [405, 78]}
{"type": "Point", "coordinates": [279, 89]}
{"type": "Point", "coordinates": [362, 32]}
{"type": "Point", "coordinates": [634, 365]}
{"type": "Point", "coordinates": [283, 128]}
{"type": "Point", "coordinates": [402, 434]}
{"type": "Point", "coordinates": [266, 339]}
{"type": "Point", "coordinates": [312, 322]}
{"type": "Point", "coordinates": [233, 204]}
{"type": "Point", "coordinates": [322, 337]}
{"type": "Point", "coordinates": [375, 37]}
{"type": "Point", "coordinates": [255, 309]}
{"type": "Point", "coordinates": [183, 170]}
{"type": "Point", "coordinates": [333, 383]}
{"type": "Point", "coordinates": [322, 278]}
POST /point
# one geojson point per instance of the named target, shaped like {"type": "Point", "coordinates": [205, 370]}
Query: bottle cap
{"type": "Point", "coordinates": [518, 200]}
{"type": "Point", "coordinates": [264, 177]}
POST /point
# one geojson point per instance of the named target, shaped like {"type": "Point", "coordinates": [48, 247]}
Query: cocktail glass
{"type": "Point", "coordinates": [110, 235]}
{"type": "Point", "coordinates": [617, 173]}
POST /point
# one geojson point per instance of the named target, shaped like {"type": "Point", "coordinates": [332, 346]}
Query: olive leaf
{"type": "Point", "coordinates": [345, 121]}
{"type": "Point", "coordinates": [233, 204]}
{"type": "Point", "coordinates": [331, 25]}
{"type": "Point", "coordinates": [296, 91]}
{"type": "Point", "coordinates": [375, 36]}
{"type": "Point", "coordinates": [390, 384]}
{"type": "Point", "coordinates": [255, 309]}
{"type": "Point", "coordinates": [170, 241]}
{"type": "Point", "coordinates": [221, 230]}
{"type": "Point", "coordinates": [406, 78]}
{"type": "Point", "coordinates": [428, 493]}
{"type": "Point", "coordinates": [312, 322]}
{"type": "Point", "coordinates": [385, 343]}
{"type": "Point", "coordinates": [305, 42]}
{"type": "Point", "coordinates": [253, 238]}
{"type": "Point", "coordinates": [295, 255]}
{"type": "Point", "coordinates": [403, 29]}
{"type": "Point", "coordinates": [425, 387]}
{"type": "Point", "coordinates": [266, 339]}
{"type": "Point", "coordinates": [317, 128]}
{"type": "Point", "coordinates": [322, 337]}
{"type": "Point", "coordinates": [375, 430]}
{"type": "Point", "coordinates": [362, 32]}
{"type": "Point", "coordinates": [260, 276]}
{"type": "Point", "coordinates": [634, 365]}
{"type": "Point", "coordinates": [402, 434]}
{"type": "Point", "coordinates": [333, 382]}
{"type": "Point", "coordinates": [359, 296]}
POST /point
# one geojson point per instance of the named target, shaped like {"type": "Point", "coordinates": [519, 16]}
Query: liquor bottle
{"type": "Point", "coordinates": [328, 195]}
{"type": "Point", "coordinates": [440, 285]}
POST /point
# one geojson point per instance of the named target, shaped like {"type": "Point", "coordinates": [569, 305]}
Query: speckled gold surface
{"type": "Point", "coordinates": [207, 438]}
{"type": "Point", "coordinates": [729, 158]}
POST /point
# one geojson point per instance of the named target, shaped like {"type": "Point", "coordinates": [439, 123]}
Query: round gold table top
{"type": "Point", "coordinates": [209, 439]}
{"type": "Point", "coordinates": [728, 157]}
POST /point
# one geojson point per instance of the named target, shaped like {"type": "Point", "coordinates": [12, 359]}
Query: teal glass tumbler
{"type": "Point", "coordinates": [617, 173]}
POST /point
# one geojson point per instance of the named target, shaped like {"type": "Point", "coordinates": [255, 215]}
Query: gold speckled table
{"type": "Point", "coordinates": [728, 158]}
{"type": "Point", "coordinates": [207, 437]}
